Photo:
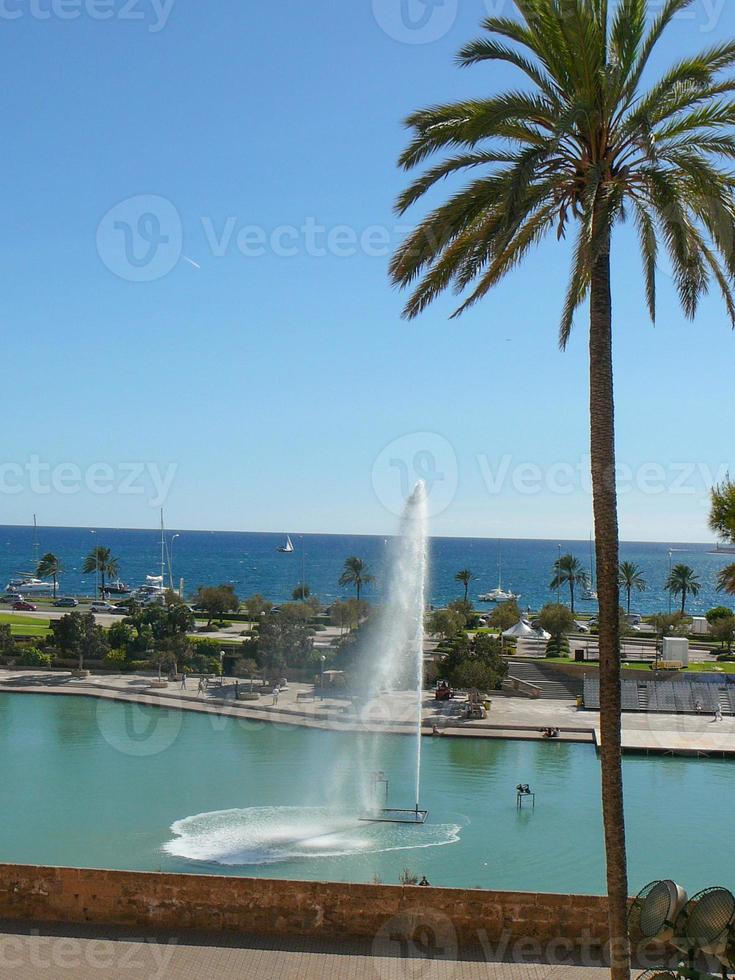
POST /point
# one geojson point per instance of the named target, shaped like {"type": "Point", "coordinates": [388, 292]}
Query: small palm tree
{"type": "Point", "coordinates": [356, 574]}
{"type": "Point", "coordinates": [726, 580]}
{"type": "Point", "coordinates": [631, 577]}
{"type": "Point", "coordinates": [465, 576]}
{"type": "Point", "coordinates": [683, 581]}
{"type": "Point", "coordinates": [50, 567]}
{"type": "Point", "coordinates": [101, 562]}
{"type": "Point", "coordinates": [568, 571]}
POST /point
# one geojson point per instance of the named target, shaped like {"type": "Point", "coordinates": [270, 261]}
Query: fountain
{"type": "Point", "coordinates": [356, 816]}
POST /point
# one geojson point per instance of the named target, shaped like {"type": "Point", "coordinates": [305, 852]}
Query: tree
{"type": "Point", "coordinates": [723, 630]}
{"type": "Point", "coordinates": [50, 567]}
{"type": "Point", "coordinates": [505, 615]}
{"type": "Point", "coordinates": [78, 635]}
{"type": "Point", "coordinates": [582, 145]}
{"type": "Point", "coordinates": [716, 613]}
{"type": "Point", "coordinates": [301, 593]}
{"type": "Point", "coordinates": [568, 571]}
{"type": "Point", "coordinates": [284, 640]}
{"type": "Point", "coordinates": [216, 600]}
{"type": "Point", "coordinates": [722, 522]}
{"type": "Point", "coordinates": [445, 623]}
{"type": "Point", "coordinates": [101, 562]}
{"type": "Point", "coordinates": [559, 621]}
{"type": "Point", "coordinates": [630, 576]}
{"type": "Point", "coordinates": [356, 574]}
{"type": "Point", "coordinates": [7, 643]}
{"type": "Point", "coordinates": [683, 581]}
{"type": "Point", "coordinates": [256, 607]}
{"type": "Point", "coordinates": [474, 663]}
{"type": "Point", "coordinates": [465, 576]}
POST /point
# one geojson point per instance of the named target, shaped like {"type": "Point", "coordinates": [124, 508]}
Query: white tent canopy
{"type": "Point", "coordinates": [524, 631]}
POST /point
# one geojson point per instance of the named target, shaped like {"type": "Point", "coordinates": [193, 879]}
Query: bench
{"type": "Point", "coordinates": [668, 665]}
{"type": "Point", "coordinates": [305, 696]}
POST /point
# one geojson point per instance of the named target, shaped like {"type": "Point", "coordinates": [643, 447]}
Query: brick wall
{"type": "Point", "coordinates": [288, 908]}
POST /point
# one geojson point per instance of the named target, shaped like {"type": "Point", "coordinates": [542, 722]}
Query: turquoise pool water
{"type": "Point", "coordinates": [99, 784]}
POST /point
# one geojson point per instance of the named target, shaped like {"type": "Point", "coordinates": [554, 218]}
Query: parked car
{"type": "Point", "coordinates": [23, 606]}
{"type": "Point", "coordinates": [102, 607]}
{"type": "Point", "coordinates": [66, 602]}
{"type": "Point", "coordinates": [10, 597]}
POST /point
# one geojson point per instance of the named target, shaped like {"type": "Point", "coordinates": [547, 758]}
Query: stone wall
{"type": "Point", "coordinates": [296, 909]}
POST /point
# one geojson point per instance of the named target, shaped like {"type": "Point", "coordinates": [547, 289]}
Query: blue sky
{"type": "Point", "coordinates": [262, 379]}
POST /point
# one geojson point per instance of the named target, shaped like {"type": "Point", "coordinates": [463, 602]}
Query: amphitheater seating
{"type": "Point", "coordinates": [671, 697]}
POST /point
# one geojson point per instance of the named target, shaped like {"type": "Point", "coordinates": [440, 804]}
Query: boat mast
{"type": "Point", "coordinates": [35, 545]}
{"type": "Point", "coordinates": [163, 551]}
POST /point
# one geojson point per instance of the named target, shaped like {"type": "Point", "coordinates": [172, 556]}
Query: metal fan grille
{"type": "Point", "coordinates": [655, 910]}
{"type": "Point", "coordinates": [657, 975]}
{"type": "Point", "coordinates": [712, 912]}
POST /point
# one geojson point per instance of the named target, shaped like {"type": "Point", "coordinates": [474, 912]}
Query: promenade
{"type": "Point", "coordinates": [509, 717]}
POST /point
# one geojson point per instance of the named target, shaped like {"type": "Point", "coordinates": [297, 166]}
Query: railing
{"type": "Point", "coordinates": [521, 687]}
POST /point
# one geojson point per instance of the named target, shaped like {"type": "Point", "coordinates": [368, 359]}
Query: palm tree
{"type": "Point", "coordinates": [568, 570]}
{"type": "Point", "coordinates": [356, 573]}
{"type": "Point", "coordinates": [51, 566]}
{"type": "Point", "coordinates": [630, 576]}
{"type": "Point", "coordinates": [683, 581]}
{"type": "Point", "coordinates": [465, 577]}
{"type": "Point", "coordinates": [582, 145]}
{"type": "Point", "coordinates": [722, 522]}
{"type": "Point", "coordinates": [101, 562]}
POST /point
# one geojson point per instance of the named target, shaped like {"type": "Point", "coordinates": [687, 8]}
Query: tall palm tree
{"type": "Point", "coordinates": [630, 576]}
{"type": "Point", "coordinates": [582, 144]}
{"type": "Point", "coordinates": [356, 573]}
{"type": "Point", "coordinates": [101, 562]}
{"type": "Point", "coordinates": [722, 522]}
{"type": "Point", "coordinates": [568, 570]}
{"type": "Point", "coordinates": [50, 566]}
{"type": "Point", "coordinates": [465, 576]}
{"type": "Point", "coordinates": [683, 581]}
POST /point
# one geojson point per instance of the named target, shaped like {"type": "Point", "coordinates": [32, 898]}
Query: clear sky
{"type": "Point", "coordinates": [197, 219]}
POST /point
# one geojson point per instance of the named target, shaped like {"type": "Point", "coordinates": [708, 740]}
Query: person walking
{"type": "Point", "coordinates": [276, 692]}
{"type": "Point", "coordinates": [183, 680]}
{"type": "Point", "coordinates": [200, 689]}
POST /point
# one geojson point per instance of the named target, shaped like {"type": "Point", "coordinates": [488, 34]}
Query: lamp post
{"type": "Point", "coordinates": [322, 661]}
{"type": "Point", "coordinates": [670, 554]}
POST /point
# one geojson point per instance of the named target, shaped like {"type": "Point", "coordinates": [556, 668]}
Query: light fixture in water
{"type": "Point", "coordinates": [392, 815]}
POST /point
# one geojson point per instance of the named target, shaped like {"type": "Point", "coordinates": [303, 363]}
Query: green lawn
{"type": "Point", "coordinates": [25, 625]}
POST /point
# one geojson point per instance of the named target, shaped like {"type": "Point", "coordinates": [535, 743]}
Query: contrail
{"type": "Point", "coordinates": [191, 262]}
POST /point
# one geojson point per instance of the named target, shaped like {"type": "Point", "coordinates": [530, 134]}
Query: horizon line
{"type": "Point", "coordinates": [339, 534]}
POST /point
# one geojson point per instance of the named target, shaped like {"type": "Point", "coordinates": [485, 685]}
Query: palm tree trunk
{"type": "Point", "coordinates": [683, 600]}
{"type": "Point", "coordinates": [602, 449]}
{"type": "Point", "coordinates": [357, 586]}
{"type": "Point", "coordinates": [571, 596]}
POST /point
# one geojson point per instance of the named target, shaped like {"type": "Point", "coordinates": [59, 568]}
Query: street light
{"type": "Point", "coordinates": [558, 580]}
{"type": "Point", "coordinates": [670, 554]}
{"type": "Point", "coordinates": [322, 660]}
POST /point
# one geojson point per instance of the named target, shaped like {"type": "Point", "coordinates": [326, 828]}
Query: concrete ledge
{"type": "Point", "coordinates": [292, 908]}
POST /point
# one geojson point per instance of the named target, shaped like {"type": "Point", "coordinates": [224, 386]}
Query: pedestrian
{"type": "Point", "coordinates": [183, 680]}
{"type": "Point", "coordinates": [200, 690]}
{"type": "Point", "coordinates": [276, 692]}
{"type": "Point", "coordinates": [718, 713]}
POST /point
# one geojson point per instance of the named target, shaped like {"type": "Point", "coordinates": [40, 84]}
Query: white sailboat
{"type": "Point", "coordinates": [589, 594]}
{"type": "Point", "coordinates": [286, 548]}
{"type": "Point", "coordinates": [499, 594]}
{"type": "Point", "coordinates": [26, 583]}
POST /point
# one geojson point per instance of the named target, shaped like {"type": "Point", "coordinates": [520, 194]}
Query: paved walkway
{"type": "Point", "coordinates": [67, 953]}
{"type": "Point", "coordinates": [508, 718]}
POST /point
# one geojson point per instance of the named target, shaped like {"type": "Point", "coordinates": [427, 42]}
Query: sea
{"type": "Point", "coordinates": [251, 563]}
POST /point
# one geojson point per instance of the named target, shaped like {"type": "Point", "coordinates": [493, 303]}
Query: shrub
{"type": "Point", "coordinates": [33, 657]}
{"type": "Point", "coordinates": [116, 659]}
{"type": "Point", "coordinates": [558, 646]}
